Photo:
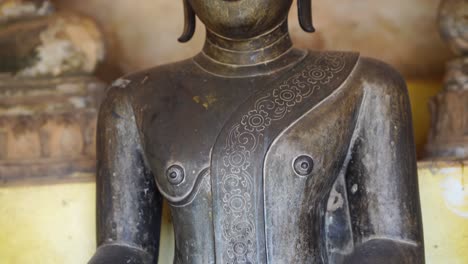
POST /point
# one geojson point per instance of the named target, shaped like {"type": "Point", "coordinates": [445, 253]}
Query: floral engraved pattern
{"type": "Point", "coordinates": [256, 120]}
{"type": "Point", "coordinates": [237, 179]}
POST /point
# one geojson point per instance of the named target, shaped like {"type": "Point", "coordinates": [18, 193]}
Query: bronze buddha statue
{"type": "Point", "coordinates": [264, 152]}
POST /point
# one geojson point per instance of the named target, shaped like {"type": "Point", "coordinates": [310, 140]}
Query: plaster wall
{"type": "Point", "coordinates": [404, 33]}
{"type": "Point", "coordinates": [55, 224]}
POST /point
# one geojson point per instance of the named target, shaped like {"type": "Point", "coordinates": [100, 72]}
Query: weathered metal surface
{"type": "Point", "coordinates": [223, 136]}
{"type": "Point", "coordinates": [238, 161]}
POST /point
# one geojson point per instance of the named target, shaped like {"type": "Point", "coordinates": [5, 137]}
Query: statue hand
{"type": "Point", "coordinates": [120, 254]}
{"type": "Point", "coordinates": [386, 251]}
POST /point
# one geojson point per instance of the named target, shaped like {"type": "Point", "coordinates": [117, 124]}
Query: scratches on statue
{"type": "Point", "coordinates": [143, 81]}
{"type": "Point", "coordinates": [121, 83]}
{"type": "Point", "coordinates": [205, 101]}
{"type": "Point", "coordinates": [336, 201]}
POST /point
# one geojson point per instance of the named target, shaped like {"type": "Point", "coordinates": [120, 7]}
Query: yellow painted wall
{"type": "Point", "coordinates": [420, 92]}
{"type": "Point", "coordinates": [47, 224]}
{"type": "Point", "coordinates": [444, 197]}
{"type": "Point", "coordinates": [55, 225]}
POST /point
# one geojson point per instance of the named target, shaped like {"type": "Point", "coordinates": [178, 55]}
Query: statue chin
{"type": "Point", "coordinates": [241, 19]}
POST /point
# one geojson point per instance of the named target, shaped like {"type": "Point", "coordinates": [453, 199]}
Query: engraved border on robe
{"type": "Point", "coordinates": [237, 173]}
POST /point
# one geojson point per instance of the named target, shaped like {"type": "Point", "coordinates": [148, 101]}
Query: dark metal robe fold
{"type": "Point", "coordinates": [238, 154]}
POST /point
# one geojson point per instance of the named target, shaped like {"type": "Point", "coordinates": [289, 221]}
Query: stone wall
{"type": "Point", "coordinates": [403, 33]}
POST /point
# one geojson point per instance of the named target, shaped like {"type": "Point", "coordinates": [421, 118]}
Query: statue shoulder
{"type": "Point", "coordinates": [326, 66]}
{"type": "Point", "coordinates": [385, 93]}
{"type": "Point", "coordinates": [116, 102]}
{"type": "Point", "coordinates": [141, 87]}
{"type": "Point", "coordinates": [381, 78]}
{"type": "Point", "coordinates": [157, 77]}
{"type": "Point", "coordinates": [333, 58]}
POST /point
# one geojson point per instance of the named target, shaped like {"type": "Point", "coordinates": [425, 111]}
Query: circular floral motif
{"type": "Point", "coordinates": [237, 159]}
{"type": "Point", "coordinates": [237, 203]}
{"type": "Point", "coordinates": [289, 96]}
{"type": "Point", "coordinates": [231, 181]}
{"type": "Point", "coordinates": [334, 62]}
{"type": "Point", "coordinates": [256, 120]}
{"type": "Point", "coordinates": [317, 74]}
{"type": "Point", "coordinates": [240, 248]}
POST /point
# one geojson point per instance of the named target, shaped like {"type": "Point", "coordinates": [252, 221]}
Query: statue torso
{"type": "Point", "coordinates": [247, 164]}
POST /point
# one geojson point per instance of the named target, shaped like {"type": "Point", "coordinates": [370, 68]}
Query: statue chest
{"type": "Point", "coordinates": [179, 144]}
{"type": "Point", "coordinates": [231, 172]}
{"type": "Point", "coordinates": [298, 167]}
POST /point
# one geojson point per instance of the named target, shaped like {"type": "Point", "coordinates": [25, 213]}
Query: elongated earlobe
{"type": "Point", "coordinates": [189, 23]}
{"type": "Point", "coordinates": [304, 8]}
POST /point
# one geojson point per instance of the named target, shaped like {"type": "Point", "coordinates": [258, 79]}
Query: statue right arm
{"type": "Point", "coordinates": [382, 176]}
{"type": "Point", "coordinates": [128, 203]}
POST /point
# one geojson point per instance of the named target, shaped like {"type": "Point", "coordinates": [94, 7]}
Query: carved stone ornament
{"type": "Point", "coordinates": [448, 137]}
{"type": "Point", "coordinates": [48, 98]}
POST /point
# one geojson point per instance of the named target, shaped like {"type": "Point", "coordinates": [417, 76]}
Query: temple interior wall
{"type": "Point", "coordinates": [143, 33]}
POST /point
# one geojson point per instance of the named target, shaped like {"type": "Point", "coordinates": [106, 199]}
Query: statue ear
{"type": "Point", "coordinates": [189, 23]}
{"type": "Point", "coordinates": [304, 8]}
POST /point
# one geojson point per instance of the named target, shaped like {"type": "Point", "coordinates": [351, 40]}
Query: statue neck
{"type": "Point", "coordinates": [260, 49]}
{"type": "Point", "coordinates": [264, 54]}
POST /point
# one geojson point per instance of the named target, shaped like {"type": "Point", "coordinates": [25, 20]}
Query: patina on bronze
{"type": "Point", "coordinates": [265, 153]}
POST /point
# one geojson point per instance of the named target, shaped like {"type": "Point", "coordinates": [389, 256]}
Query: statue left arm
{"type": "Point", "coordinates": [129, 204]}
{"type": "Point", "coordinates": [381, 178]}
